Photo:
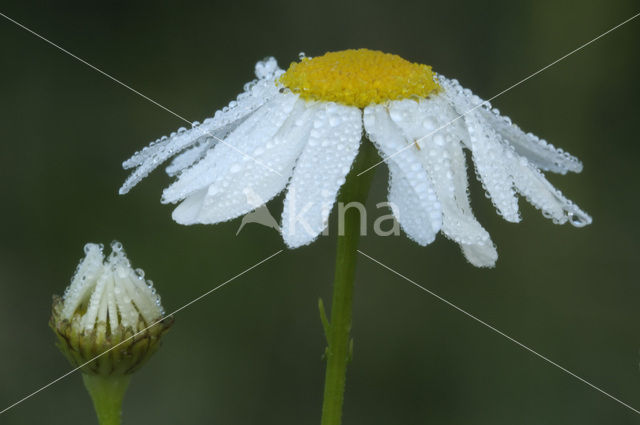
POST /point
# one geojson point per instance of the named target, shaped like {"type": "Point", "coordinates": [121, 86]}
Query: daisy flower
{"type": "Point", "coordinates": [301, 130]}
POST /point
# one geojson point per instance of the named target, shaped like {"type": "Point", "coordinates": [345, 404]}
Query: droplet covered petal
{"type": "Point", "coordinates": [212, 130]}
{"type": "Point", "coordinates": [320, 172]}
{"type": "Point", "coordinates": [411, 195]}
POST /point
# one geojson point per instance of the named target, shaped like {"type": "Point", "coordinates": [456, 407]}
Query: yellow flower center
{"type": "Point", "coordinates": [359, 78]}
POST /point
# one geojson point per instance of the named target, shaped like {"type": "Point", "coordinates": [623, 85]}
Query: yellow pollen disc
{"type": "Point", "coordinates": [359, 78]}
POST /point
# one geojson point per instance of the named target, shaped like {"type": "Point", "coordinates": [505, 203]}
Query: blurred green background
{"type": "Point", "coordinates": [250, 352]}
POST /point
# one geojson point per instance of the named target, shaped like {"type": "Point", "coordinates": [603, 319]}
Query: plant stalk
{"type": "Point", "coordinates": [355, 189]}
{"type": "Point", "coordinates": [107, 393]}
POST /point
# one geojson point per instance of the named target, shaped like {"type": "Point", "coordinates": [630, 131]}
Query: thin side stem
{"type": "Point", "coordinates": [107, 393]}
{"type": "Point", "coordinates": [355, 189]}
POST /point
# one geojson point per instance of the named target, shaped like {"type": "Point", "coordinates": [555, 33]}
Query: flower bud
{"type": "Point", "coordinates": [108, 307]}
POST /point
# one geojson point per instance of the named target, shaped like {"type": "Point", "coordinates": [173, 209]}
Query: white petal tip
{"type": "Point", "coordinates": [484, 255]}
{"type": "Point", "coordinates": [298, 239]}
{"type": "Point", "coordinates": [187, 212]}
{"type": "Point", "coordinates": [294, 244]}
{"type": "Point", "coordinates": [421, 241]}
{"type": "Point", "coordinates": [577, 167]}
{"type": "Point", "coordinates": [181, 219]}
{"type": "Point", "coordinates": [513, 218]}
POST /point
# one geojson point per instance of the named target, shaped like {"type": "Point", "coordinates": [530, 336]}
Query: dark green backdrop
{"type": "Point", "coordinates": [250, 353]}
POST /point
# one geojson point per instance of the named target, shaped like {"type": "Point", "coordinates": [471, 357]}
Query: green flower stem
{"type": "Point", "coordinates": [355, 189]}
{"type": "Point", "coordinates": [107, 393]}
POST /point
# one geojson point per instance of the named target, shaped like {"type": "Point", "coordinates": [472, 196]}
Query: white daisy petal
{"type": "Point", "coordinates": [320, 171]}
{"type": "Point", "coordinates": [417, 217]}
{"type": "Point", "coordinates": [414, 201]}
{"type": "Point", "coordinates": [87, 272]}
{"type": "Point", "coordinates": [488, 155]}
{"type": "Point", "coordinates": [487, 149]}
{"type": "Point", "coordinates": [189, 157]}
{"type": "Point", "coordinates": [244, 185]}
{"type": "Point", "coordinates": [95, 301]}
{"type": "Point", "coordinates": [541, 153]}
{"type": "Point", "coordinates": [540, 193]}
{"type": "Point", "coordinates": [256, 94]}
{"type": "Point", "coordinates": [459, 222]}
{"type": "Point", "coordinates": [480, 255]}
{"type": "Point", "coordinates": [245, 144]}
{"type": "Point", "coordinates": [189, 208]}
{"type": "Point", "coordinates": [247, 185]}
{"type": "Point", "coordinates": [112, 306]}
{"type": "Point", "coordinates": [446, 163]}
{"type": "Point", "coordinates": [163, 150]}
{"type": "Point", "coordinates": [441, 155]}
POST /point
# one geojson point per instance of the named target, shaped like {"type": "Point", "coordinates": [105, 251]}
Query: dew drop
{"type": "Point", "coordinates": [578, 220]}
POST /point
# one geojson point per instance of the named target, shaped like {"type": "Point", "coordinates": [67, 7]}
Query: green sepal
{"type": "Point", "coordinates": [125, 350]}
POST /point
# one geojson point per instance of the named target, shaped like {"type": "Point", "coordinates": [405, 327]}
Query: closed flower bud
{"type": "Point", "coordinates": [108, 307]}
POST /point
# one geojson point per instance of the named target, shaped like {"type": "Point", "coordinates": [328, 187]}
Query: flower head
{"type": "Point", "coordinates": [359, 78]}
{"type": "Point", "coordinates": [302, 128]}
{"type": "Point", "coordinates": [108, 306]}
